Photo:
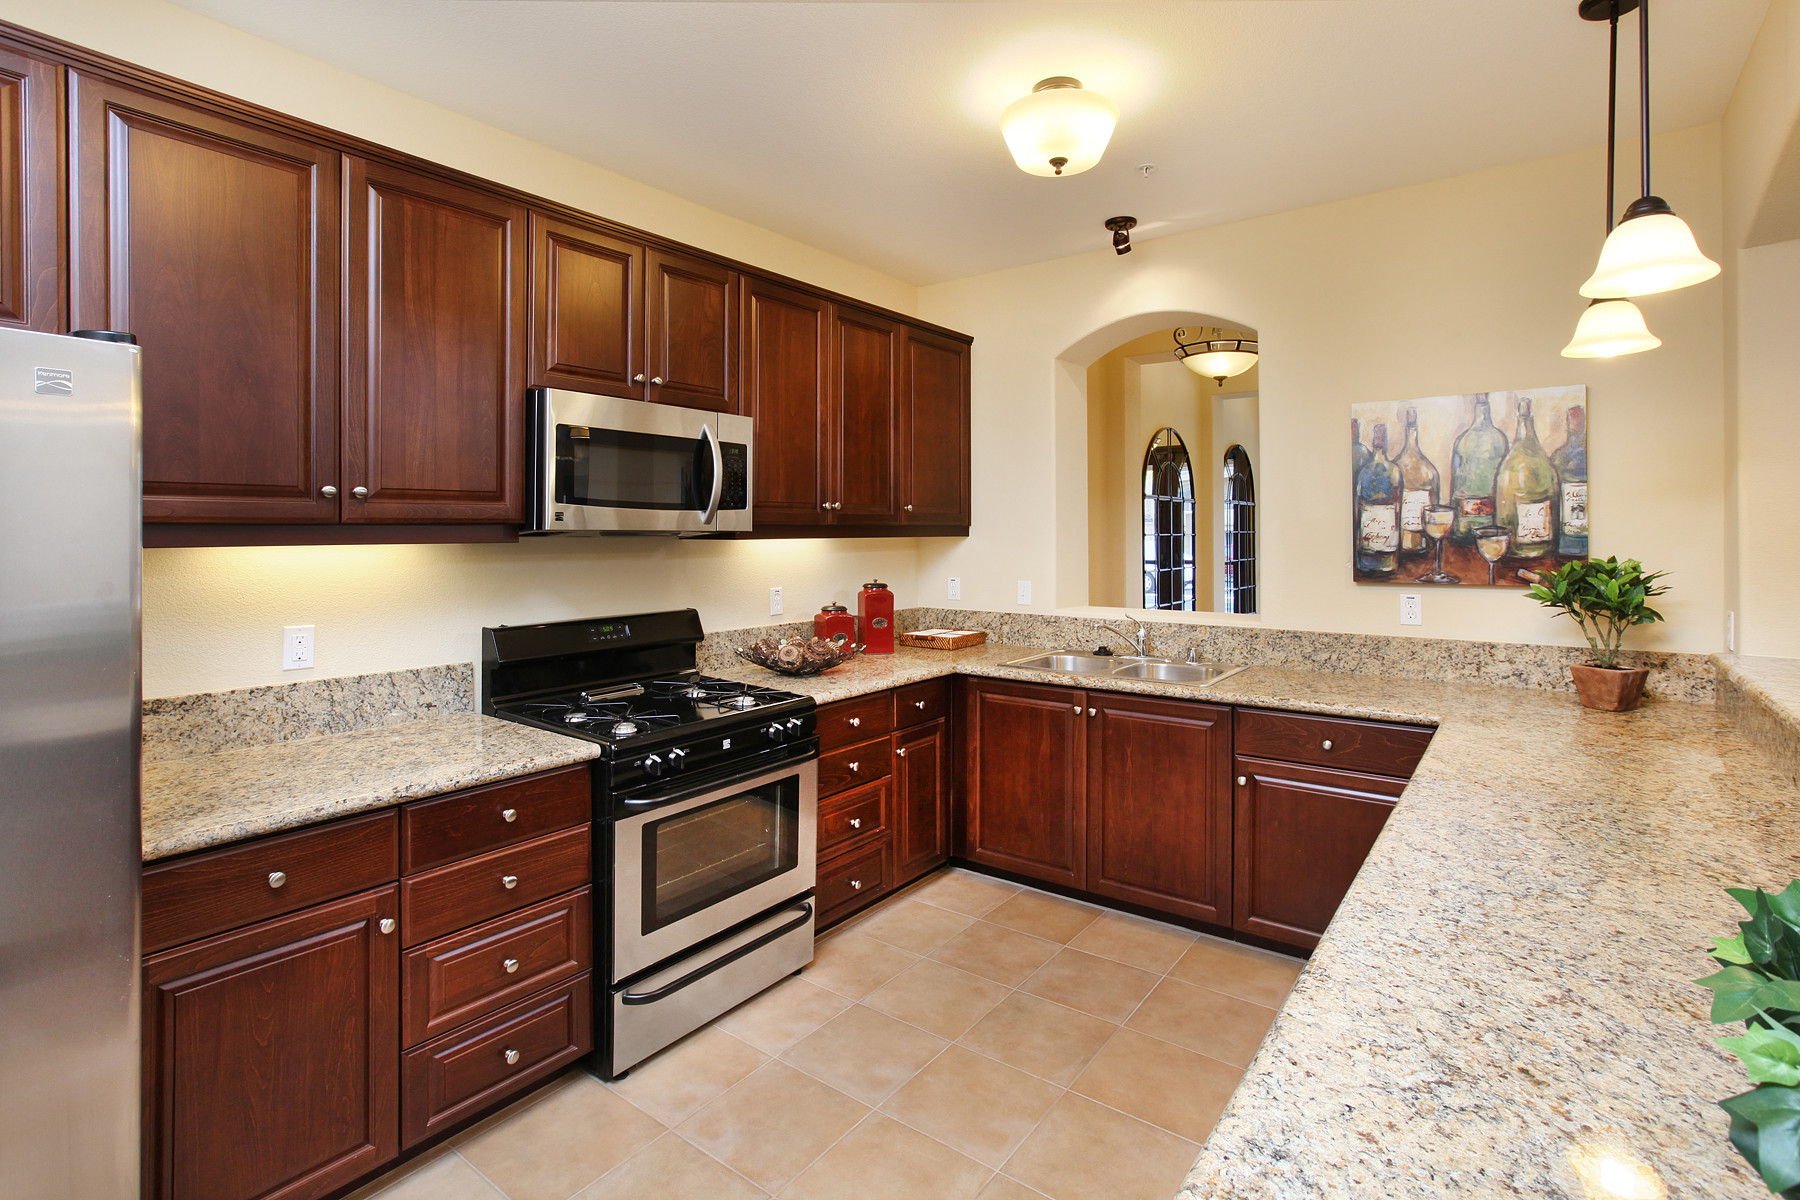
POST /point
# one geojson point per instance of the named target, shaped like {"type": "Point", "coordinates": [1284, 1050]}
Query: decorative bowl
{"type": "Point", "coordinates": [798, 656]}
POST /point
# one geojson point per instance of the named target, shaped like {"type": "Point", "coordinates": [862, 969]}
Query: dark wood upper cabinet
{"type": "Point", "coordinates": [1159, 804]}
{"type": "Point", "coordinates": [434, 362]}
{"type": "Point", "coordinates": [934, 430]}
{"type": "Point", "coordinates": [31, 209]}
{"type": "Point", "coordinates": [216, 242]}
{"type": "Point", "coordinates": [1025, 781]}
{"type": "Point", "coordinates": [785, 371]}
{"type": "Point", "coordinates": [921, 799]}
{"type": "Point", "coordinates": [690, 315]}
{"type": "Point", "coordinates": [271, 1069]}
{"type": "Point", "coordinates": [587, 310]}
{"type": "Point", "coordinates": [865, 386]}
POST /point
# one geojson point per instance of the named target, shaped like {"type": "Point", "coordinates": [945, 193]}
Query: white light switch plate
{"type": "Point", "coordinates": [774, 602]}
{"type": "Point", "coordinates": [296, 647]}
{"type": "Point", "coordinates": [1024, 591]}
{"type": "Point", "coordinates": [1412, 608]}
{"type": "Point", "coordinates": [956, 587]}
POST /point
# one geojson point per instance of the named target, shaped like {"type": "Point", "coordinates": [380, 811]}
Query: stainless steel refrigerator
{"type": "Point", "coordinates": [69, 827]}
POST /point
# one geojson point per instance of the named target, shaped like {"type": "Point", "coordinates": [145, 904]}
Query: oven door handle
{"type": "Point", "coordinates": [718, 463]}
{"type": "Point", "coordinates": [725, 785]}
{"type": "Point", "coordinates": [724, 960]}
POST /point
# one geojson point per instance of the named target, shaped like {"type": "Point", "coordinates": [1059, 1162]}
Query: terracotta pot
{"type": "Point", "coordinates": [1611, 689]}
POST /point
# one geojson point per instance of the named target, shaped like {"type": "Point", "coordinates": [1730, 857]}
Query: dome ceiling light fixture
{"type": "Point", "coordinates": [1612, 326]}
{"type": "Point", "coordinates": [1216, 354]}
{"type": "Point", "coordinates": [1651, 249]}
{"type": "Point", "coordinates": [1061, 128]}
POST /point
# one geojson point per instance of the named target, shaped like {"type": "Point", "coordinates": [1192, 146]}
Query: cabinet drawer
{"type": "Point", "coordinates": [850, 721]}
{"type": "Point", "coordinates": [1371, 746]}
{"type": "Point", "coordinates": [459, 895]}
{"type": "Point", "coordinates": [861, 813]}
{"type": "Point", "coordinates": [918, 703]}
{"type": "Point", "coordinates": [436, 832]}
{"type": "Point", "coordinates": [852, 880]}
{"type": "Point", "coordinates": [864, 762]}
{"type": "Point", "coordinates": [454, 980]}
{"type": "Point", "coordinates": [225, 889]}
{"type": "Point", "coordinates": [468, 1070]}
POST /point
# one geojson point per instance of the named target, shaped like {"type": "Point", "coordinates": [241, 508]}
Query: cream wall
{"type": "Point", "coordinates": [1462, 285]}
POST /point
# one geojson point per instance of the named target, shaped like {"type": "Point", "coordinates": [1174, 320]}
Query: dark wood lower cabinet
{"type": "Point", "coordinates": [269, 1056]}
{"type": "Point", "coordinates": [921, 799]}
{"type": "Point", "coordinates": [1024, 777]}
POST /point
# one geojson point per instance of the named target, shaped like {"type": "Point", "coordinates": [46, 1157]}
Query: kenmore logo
{"type": "Point", "coordinates": [51, 382]}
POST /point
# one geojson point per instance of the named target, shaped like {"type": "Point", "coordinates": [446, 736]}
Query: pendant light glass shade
{"type": "Point", "coordinates": [1060, 129]}
{"type": "Point", "coordinates": [1217, 358]}
{"type": "Point", "coordinates": [1648, 254]}
{"type": "Point", "coordinates": [1609, 328]}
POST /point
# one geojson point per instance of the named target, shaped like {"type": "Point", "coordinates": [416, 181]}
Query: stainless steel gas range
{"type": "Point", "coordinates": [706, 816]}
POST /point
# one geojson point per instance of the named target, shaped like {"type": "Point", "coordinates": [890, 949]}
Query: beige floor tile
{"type": "Point", "coordinates": [1242, 971]}
{"type": "Point", "coordinates": [981, 1107]}
{"type": "Point", "coordinates": [1212, 1023]}
{"type": "Point", "coordinates": [914, 926]}
{"type": "Point", "coordinates": [1168, 1086]}
{"type": "Point", "coordinates": [1085, 1151]}
{"type": "Point", "coordinates": [1003, 955]}
{"type": "Point", "coordinates": [1146, 945]}
{"type": "Point", "coordinates": [864, 1053]}
{"type": "Point", "coordinates": [674, 1084]}
{"type": "Point", "coordinates": [441, 1175]}
{"type": "Point", "coordinates": [501, 1117]}
{"type": "Point", "coordinates": [853, 965]}
{"type": "Point", "coordinates": [559, 1145]}
{"type": "Point", "coordinates": [1097, 986]}
{"type": "Point", "coordinates": [1038, 1037]}
{"type": "Point", "coordinates": [782, 1015]}
{"type": "Point", "coordinates": [881, 1159]}
{"type": "Point", "coordinates": [937, 998]}
{"type": "Point", "coordinates": [1049, 917]}
{"type": "Point", "coordinates": [774, 1123]}
{"type": "Point", "coordinates": [964, 892]}
{"type": "Point", "coordinates": [1002, 1188]}
{"type": "Point", "coordinates": [672, 1169]}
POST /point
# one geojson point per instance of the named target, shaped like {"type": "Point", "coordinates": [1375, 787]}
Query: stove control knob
{"type": "Point", "coordinates": [796, 724]}
{"type": "Point", "coordinates": [653, 764]}
{"type": "Point", "coordinates": [675, 757]}
{"type": "Point", "coordinates": [777, 732]}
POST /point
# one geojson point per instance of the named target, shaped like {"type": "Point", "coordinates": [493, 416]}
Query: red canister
{"type": "Point", "coordinates": [875, 617]}
{"type": "Point", "coordinates": [834, 623]}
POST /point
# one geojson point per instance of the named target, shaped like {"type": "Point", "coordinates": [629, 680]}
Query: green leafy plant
{"type": "Point", "coordinates": [1759, 984]}
{"type": "Point", "coordinates": [1605, 596]}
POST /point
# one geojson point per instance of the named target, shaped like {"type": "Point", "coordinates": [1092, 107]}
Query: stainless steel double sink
{"type": "Point", "coordinates": [1126, 666]}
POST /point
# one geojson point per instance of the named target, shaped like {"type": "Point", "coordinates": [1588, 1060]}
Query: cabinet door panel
{"type": "Point", "coordinates": [922, 799]}
{"type": "Point", "coordinates": [434, 379]}
{"type": "Point", "coordinates": [786, 339]}
{"type": "Point", "coordinates": [216, 243]}
{"type": "Point", "coordinates": [691, 314]}
{"type": "Point", "coordinates": [934, 430]}
{"type": "Point", "coordinates": [1159, 804]}
{"type": "Point", "coordinates": [31, 218]}
{"type": "Point", "coordinates": [1302, 833]}
{"type": "Point", "coordinates": [865, 380]}
{"type": "Point", "coordinates": [587, 310]}
{"type": "Point", "coordinates": [271, 1056]}
{"type": "Point", "coordinates": [1026, 781]}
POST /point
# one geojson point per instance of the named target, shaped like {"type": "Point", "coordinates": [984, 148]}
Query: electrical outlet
{"type": "Point", "coordinates": [774, 602]}
{"type": "Point", "coordinates": [1024, 591]}
{"type": "Point", "coordinates": [1412, 608]}
{"type": "Point", "coordinates": [297, 647]}
{"type": "Point", "coordinates": [956, 587]}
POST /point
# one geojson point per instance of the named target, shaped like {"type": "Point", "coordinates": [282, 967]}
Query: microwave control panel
{"type": "Point", "coordinates": [735, 494]}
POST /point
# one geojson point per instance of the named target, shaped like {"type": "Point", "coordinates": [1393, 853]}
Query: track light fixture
{"type": "Point", "coordinates": [1121, 230]}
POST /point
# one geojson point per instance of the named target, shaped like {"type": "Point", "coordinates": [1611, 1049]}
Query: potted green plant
{"type": "Point", "coordinates": [1605, 597]}
{"type": "Point", "coordinates": [1758, 983]}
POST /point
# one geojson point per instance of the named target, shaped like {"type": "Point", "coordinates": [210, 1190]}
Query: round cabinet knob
{"type": "Point", "coordinates": [854, 766]}
{"type": "Point", "coordinates": [329, 491]}
{"type": "Point", "coordinates": [1326, 743]}
{"type": "Point", "coordinates": [1091, 712]}
{"type": "Point", "coordinates": [277, 879]}
{"type": "Point", "coordinates": [511, 965]}
{"type": "Point", "coordinates": [657, 380]}
{"type": "Point", "coordinates": [509, 815]}
{"type": "Point", "coordinates": [361, 493]}
{"type": "Point", "coordinates": [856, 822]}
{"type": "Point", "coordinates": [901, 752]}
{"type": "Point", "coordinates": [856, 885]}
{"type": "Point", "coordinates": [512, 1058]}
{"type": "Point", "coordinates": [1077, 710]}
{"type": "Point", "coordinates": [855, 721]}
{"type": "Point", "coordinates": [638, 378]}
{"type": "Point", "coordinates": [907, 507]}
{"type": "Point", "coordinates": [388, 925]}
{"type": "Point", "coordinates": [509, 882]}
{"type": "Point", "coordinates": [919, 704]}
{"type": "Point", "coordinates": [1242, 781]}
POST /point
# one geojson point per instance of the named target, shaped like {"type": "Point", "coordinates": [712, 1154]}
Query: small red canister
{"type": "Point", "coordinates": [875, 617]}
{"type": "Point", "coordinates": [834, 623]}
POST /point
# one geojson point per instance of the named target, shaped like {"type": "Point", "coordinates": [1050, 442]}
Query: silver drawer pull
{"type": "Point", "coordinates": [511, 965]}
{"type": "Point", "coordinates": [657, 380]}
{"type": "Point", "coordinates": [509, 815]}
{"type": "Point", "coordinates": [856, 822]}
{"type": "Point", "coordinates": [512, 1058]}
{"type": "Point", "coordinates": [1326, 743]}
{"type": "Point", "coordinates": [361, 493]}
{"type": "Point", "coordinates": [919, 704]}
{"type": "Point", "coordinates": [388, 925]}
{"type": "Point", "coordinates": [277, 879]}
{"type": "Point", "coordinates": [1242, 781]}
{"type": "Point", "coordinates": [638, 378]}
{"type": "Point", "coordinates": [855, 721]}
{"type": "Point", "coordinates": [856, 884]}
{"type": "Point", "coordinates": [901, 752]}
{"type": "Point", "coordinates": [509, 882]}
{"type": "Point", "coordinates": [854, 766]}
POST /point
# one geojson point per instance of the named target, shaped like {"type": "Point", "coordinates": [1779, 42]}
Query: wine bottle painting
{"type": "Point", "coordinates": [1469, 490]}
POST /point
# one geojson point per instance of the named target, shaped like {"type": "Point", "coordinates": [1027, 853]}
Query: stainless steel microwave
{"type": "Point", "coordinates": [599, 464]}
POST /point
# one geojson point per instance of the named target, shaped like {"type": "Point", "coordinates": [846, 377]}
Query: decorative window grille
{"type": "Point", "coordinates": [1239, 533]}
{"type": "Point", "coordinates": [1168, 523]}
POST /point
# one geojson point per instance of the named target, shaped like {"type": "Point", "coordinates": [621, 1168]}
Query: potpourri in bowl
{"type": "Point", "coordinates": [798, 656]}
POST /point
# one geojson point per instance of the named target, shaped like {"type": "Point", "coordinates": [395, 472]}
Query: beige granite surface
{"type": "Point", "coordinates": [1763, 697]}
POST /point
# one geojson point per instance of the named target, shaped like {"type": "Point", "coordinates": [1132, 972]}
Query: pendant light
{"type": "Point", "coordinates": [1652, 250]}
{"type": "Point", "coordinates": [1060, 129]}
{"type": "Point", "coordinates": [1217, 357]}
{"type": "Point", "coordinates": [1610, 327]}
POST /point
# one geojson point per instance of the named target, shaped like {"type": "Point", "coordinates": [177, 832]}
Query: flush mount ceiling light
{"type": "Point", "coordinates": [1215, 354]}
{"type": "Point", "coordinates": [1652, 250]}
{"type": "Point", "coordinates": [1060, 129]}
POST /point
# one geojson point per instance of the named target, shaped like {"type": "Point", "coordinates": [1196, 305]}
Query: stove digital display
{"type": "Point", "coordinates": [611, 631]}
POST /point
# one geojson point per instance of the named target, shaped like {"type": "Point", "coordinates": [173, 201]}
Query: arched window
{"type": "Point", "coordinates": [1168, 523]}
{"type": "Point", "coordinates": [1240, 533]}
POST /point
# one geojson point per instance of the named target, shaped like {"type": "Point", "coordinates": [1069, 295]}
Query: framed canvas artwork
{"type": "Point", "coordinates": [1469, 490]}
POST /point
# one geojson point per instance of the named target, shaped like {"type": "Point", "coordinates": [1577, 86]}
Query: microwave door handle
{"type": "Point", "coordinates": [718, 487]}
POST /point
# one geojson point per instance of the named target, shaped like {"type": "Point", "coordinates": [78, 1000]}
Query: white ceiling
{"type": "Point", "coordinates": [870, 129]}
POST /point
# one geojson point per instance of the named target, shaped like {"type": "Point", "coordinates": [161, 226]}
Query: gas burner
{"type": "Point", "coordinates": [577, 717]}
{"type": "Point", "coordinates": [623, 729]}
{"type": "Point", "coordinates": [739, 701]}
{"type": "Point", "coordinates": [695, 692]}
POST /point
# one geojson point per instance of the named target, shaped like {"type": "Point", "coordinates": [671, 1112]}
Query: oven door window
{"type": "Point", "coordinates": [706, 855]}
{"type": "Point", "coordinates": [612, 468]}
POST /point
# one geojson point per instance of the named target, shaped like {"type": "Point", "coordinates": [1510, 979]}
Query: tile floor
{"type": "Point", "coordinates": [967, 1040]}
